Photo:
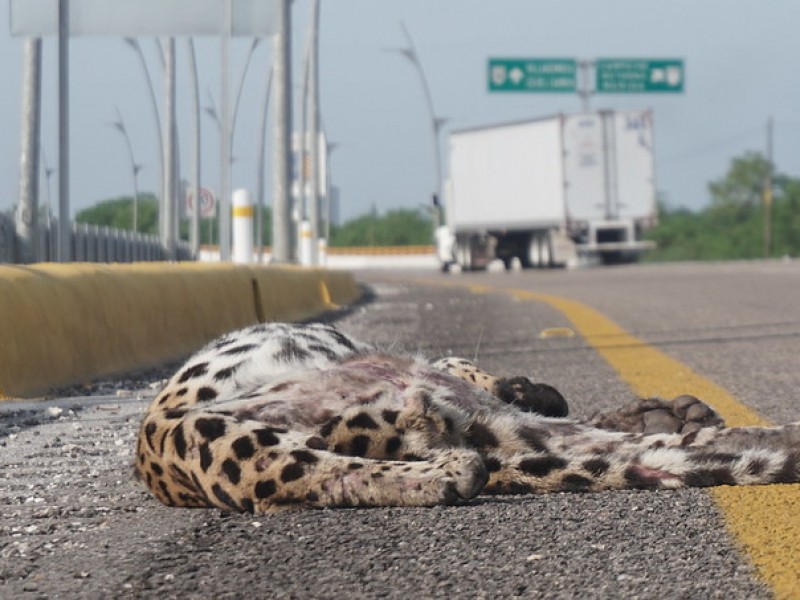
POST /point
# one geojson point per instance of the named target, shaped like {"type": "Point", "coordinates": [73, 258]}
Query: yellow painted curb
{"type": "Point", "coordinates": [294, 293]}
{"type": "Point", "coordinates": [63, 324]}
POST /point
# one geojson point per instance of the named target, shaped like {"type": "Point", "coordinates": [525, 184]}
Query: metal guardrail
{"type": "Point", "coordinates": [90, 243]}
{"type": "Point", "coordinates": [7, 238]}
{"type": "Point", "coordinates": [94, 243]}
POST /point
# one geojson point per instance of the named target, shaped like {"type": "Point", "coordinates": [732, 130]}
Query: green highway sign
{"type": "Point", "coordinates": [638, 75]}
{"type": "Point", "coordinates": [532, 75]}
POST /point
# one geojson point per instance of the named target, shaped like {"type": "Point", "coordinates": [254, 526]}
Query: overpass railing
{"type": "Point", "coordinates": [90, 243]}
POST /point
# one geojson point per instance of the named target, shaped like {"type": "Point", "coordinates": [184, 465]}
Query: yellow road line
{"type": "Point", "coordinates": [765, 519]}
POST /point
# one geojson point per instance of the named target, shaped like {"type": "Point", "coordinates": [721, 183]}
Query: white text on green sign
{"type": "Point", "coordinates": [626, 75]}
{"type": "Point", "coordinates": [532, 75]}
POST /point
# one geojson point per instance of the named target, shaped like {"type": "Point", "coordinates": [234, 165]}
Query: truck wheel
{"type": "Point", "coordinates": [531, 260]}
{"type": "Point", "coordinates": [464, 254]}
{"type": "Point", "coordinates": [540, 254]}
{"type": "Point", "coordinates": [545, 252]}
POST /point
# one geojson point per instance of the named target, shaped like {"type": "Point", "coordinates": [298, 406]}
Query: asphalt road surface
{"type": "Point", "coordinates": [74, 523]}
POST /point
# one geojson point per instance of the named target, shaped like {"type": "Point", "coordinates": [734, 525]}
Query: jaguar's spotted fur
{"type": "Point", "coordinates": [284, 415]}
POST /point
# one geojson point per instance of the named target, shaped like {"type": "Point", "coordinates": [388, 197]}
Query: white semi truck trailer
{"type": "Point", "coordinates": [550, 191]}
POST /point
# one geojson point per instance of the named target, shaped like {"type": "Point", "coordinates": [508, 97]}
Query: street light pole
{"type": "Point", "coordinates": [27, 218]}
{"type": "Point", "coordinates": [119, 125]}
{"type": "Point", "coordinates": [194, 230]}
{"type": "Point", "coordinates": [225, 137]}
{"type": "Point", "coordinates": [48, 172]}
{"type": "Point", "coordinates": [303, 159]}
{"type": "Point", "coordinates": [260, 186]}
{"type": "Point", "coordinates": [410, 53]}
{"type": "Point", "coordinates": [134, 44]}
{"type": "Point", "coordinates": [64, 229]}
{"type": "Point", "coordinates": [281, 217]}
{"type": "Point", "coordinates": [169, 202]}
{"type": "Point", "coordinates": [312, 185]}
{"type": "Point", "coordinates": [329, 148]}
{"type": "Point", "coordinates": [240, 87]}
{"type": "Point", "coordinates": [211, 109]}
{"type": "Point", "coordinates": [227, 129]}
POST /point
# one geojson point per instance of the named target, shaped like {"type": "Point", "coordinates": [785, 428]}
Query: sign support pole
{"type": "Point", "coordinates": [585, 91]}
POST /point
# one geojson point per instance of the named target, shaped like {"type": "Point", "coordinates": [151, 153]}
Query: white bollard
{"type": "Point", "coordinates": [242, 227]}
{"type": "Point", "coordinates": [322, 251]}
{"type": "Point", "coordinates": [305, 243]}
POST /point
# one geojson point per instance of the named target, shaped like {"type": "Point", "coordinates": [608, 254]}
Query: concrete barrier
{"type": "Point", "coordinates": [64, 324]}
{"type": "Point", "coordinates": [294, 293]}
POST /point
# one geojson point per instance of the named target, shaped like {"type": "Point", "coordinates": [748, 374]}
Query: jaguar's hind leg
{"type": "Point", "coordinates": [204, 458]}
{"type": "Point", "coordinates": [683, 414]}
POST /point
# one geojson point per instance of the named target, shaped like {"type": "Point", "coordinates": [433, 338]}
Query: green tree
{"type": "Point", "coordinates": [732, 227]}
{"type": "Point", "coordinates": [118, 213]}
{"type": "Point", "coordinates": [678, 235]}
{"type": "Point", "coordinates": [743, 184]}
{"type": "Point", "coordinates": [401, 227]}
{"type": "Point", "coordinates": [786, 219]}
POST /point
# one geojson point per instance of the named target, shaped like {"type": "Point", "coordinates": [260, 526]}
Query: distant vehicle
{"type": "Point", "coordinates": [550, 191]}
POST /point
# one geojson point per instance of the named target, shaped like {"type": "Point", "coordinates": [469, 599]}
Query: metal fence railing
{"type": "Point", "coordinates": [7, 238]}
{"type": "Point", "coordinates": [89, 243]}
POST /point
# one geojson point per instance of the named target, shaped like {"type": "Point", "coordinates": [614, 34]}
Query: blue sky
{"type": "Point", "coordinates": [740, 57]}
